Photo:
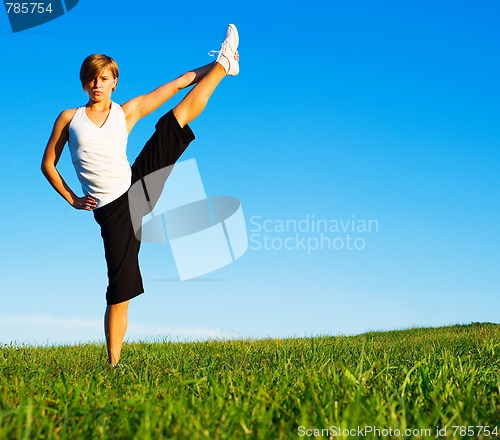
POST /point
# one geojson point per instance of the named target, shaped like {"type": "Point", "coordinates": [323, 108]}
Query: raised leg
{"type": "Point", "coordinates": [193, 76]}
{"type": "Point", "coordinates": [196, 100]}
{"type": "Point", "coordinates": [115, 326]}
{"type": "Point", "coordinates": [226, 64]}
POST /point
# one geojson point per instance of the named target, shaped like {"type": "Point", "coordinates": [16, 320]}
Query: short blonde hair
{"type": "Point", "coordinates": [94, 64]}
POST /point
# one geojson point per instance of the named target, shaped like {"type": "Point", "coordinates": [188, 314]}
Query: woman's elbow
{"type": "Point", "coordinates": [46, 167]}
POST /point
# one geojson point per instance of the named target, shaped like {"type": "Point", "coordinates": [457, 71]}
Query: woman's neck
{"type": "Point", "coordinates": [99, 106]}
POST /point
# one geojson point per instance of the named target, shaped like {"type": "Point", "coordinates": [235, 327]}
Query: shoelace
{"type": "Point", "coordinates": [225, 46]}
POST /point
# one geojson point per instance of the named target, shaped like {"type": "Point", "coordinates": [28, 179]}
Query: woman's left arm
{"type": "Point", "coordinates": [143, 105]}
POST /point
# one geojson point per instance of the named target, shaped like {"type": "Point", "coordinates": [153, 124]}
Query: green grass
{"type": "Point", "coordinates": [263, 389]}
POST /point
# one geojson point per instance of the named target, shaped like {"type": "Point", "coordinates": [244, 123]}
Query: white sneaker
{"type": "Point", "coordinates": [228, 50]}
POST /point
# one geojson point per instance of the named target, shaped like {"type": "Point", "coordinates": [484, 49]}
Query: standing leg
{"type": "Point", "coordinates": [115, 326]}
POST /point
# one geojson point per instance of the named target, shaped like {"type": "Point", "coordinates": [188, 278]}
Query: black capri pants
{"type": "Point", "coordinates": [121, 246]}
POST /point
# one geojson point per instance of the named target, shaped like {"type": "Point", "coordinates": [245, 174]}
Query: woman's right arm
{"type": "Point", "coordinates": [55, 145]}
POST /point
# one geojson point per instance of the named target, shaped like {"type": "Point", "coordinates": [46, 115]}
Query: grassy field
{"type": "Point", "coordinates": [375, 385]}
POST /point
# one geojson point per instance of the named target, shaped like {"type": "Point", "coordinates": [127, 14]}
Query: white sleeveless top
{"type": "Point", "coordinates": [99, 155]}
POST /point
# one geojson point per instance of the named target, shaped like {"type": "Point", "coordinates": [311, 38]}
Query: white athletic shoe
{"type": "Point", "coordinates": [228, 50]}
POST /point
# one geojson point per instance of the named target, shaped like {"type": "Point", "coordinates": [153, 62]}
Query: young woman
{"type": "Point", "coordinates": [97, 137]}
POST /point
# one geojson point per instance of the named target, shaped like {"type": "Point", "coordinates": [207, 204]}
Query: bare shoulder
{"type": "Point", "coordinates": [131, 112]}
{"type": "Point", "coordinates": [61, 126]}
{"type": "Point", "coordinates": [129, 107]}
{"type": "Point", "coordinates": [60, 130]}
{"type": "Point", "coordinates": [66, 116]}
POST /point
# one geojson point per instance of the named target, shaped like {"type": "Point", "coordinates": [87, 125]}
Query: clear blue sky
{"type": "Point", "coordinates": [383, 111]}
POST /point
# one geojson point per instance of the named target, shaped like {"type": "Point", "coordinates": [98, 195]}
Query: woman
{"type": "Point", "coordinates": [97, 136]}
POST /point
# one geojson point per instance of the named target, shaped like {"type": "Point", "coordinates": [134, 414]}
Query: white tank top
{"type": "Point", "coordinates": [99, 155]}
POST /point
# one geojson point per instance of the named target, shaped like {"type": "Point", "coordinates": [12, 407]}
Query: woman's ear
{"type": "Point", "coordinates": [116, 84]}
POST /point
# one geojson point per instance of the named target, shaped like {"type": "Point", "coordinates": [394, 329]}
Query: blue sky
{"type": "Point", "coordinates": [342, 111]}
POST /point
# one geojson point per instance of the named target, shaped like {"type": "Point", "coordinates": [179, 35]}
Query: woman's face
{"type": "Point", "coordinates": [101, 87]}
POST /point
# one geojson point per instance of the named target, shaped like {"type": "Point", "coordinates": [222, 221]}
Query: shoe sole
{"type": "Point", "coordinates": [237, 36]}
